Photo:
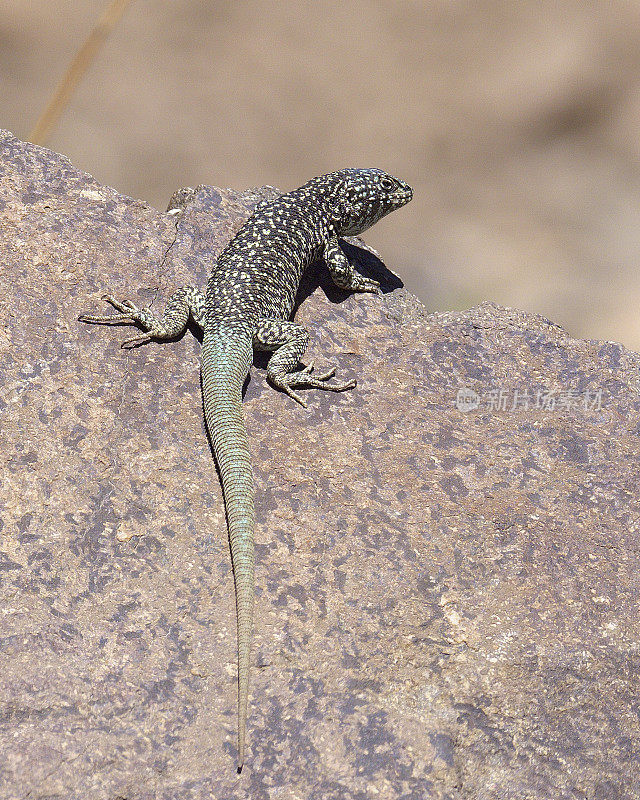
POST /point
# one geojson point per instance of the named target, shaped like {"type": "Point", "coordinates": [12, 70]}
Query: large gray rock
{"type": "Point", "coordinates": [447, 601]}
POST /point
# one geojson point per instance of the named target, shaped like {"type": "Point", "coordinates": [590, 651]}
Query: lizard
{"type": "Point", "coordinates": [248, 304]}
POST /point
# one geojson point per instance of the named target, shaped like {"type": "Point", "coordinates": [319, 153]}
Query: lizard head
{"type": "Point", "coordinates": [366, 195]}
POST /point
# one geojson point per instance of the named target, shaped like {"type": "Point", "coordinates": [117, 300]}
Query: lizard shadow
{"type": "Point", "coordinates": [363, 260]}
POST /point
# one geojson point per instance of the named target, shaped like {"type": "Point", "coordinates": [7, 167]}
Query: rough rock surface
{"type": "Point", "coordinates": [447, 600]}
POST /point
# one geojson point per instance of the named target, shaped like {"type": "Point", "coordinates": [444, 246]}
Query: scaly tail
{"type": "Point", "coordinates": [226, 356]}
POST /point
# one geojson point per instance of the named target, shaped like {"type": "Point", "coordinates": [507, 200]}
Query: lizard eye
{"type": "Point", "coordinates": [387, 184]}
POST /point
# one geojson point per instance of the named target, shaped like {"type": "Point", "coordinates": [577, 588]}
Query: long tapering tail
{"type": "Point", "coordinates": [226, 357]}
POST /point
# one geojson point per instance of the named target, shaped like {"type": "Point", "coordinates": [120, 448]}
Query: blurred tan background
{"type": "Point", "coordinates": [517, 123]}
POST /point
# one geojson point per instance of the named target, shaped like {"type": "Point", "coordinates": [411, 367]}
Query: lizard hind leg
{"type": "Point", "coordinates": [289, 342]}
{"type": "Point", "coordinates": [184, 303]}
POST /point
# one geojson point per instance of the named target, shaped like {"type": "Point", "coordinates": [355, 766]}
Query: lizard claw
{"type": "Point", "coordinates": [106, 319]}
{"type": "Point", "coordinates": [288, 390]}
{"type": "Point", "coordinates": [126, 306]}
{"type": "Point", "coordinates": [326, 375]}
{"type": "Point", "coordinates": [308, 369]}
{"type": "Point", "coordinates": [129, 313]}
{"type": "Point", "coordinates": [369, 285]}
{"type": "Point", "coordinates": [129, 344]}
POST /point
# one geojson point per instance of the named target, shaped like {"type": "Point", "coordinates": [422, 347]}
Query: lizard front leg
{"type": "Point", "coordinates": [185, 302]}
{"type": "Point", "coordinates": [342, 273]}
{"type": "Point", "coordinates": [289, 341]}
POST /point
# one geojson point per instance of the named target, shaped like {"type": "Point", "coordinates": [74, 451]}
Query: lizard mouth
{"type": "Point", "coordinates": [402, 196]}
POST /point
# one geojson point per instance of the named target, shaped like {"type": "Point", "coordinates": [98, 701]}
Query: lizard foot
{"type": "Point", "coordinates": [129, 313]}
{"type": "Point", "coordinates": [303, 379]}
{"type": "Point", "coordinates": [363, 284]}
